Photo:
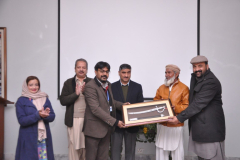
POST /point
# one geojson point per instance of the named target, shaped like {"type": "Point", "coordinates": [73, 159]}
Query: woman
{"type": "Point", "coordinates": [34, 112]}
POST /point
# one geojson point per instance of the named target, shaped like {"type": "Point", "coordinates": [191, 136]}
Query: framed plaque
{"type": "Point", "coordinates": [147, 112]}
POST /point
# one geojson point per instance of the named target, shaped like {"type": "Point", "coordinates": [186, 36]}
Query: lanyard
{"type": "Point", "coordinates": [110, 109]}
{"type": "Point", "coordinates": [107, 96]}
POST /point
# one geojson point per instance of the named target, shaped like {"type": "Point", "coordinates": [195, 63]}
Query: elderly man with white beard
{"type": "Point", "coordinates": [169, 137]}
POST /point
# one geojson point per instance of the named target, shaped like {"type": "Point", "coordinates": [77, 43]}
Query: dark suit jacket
{"type": "Point", "coordinates": [205, 112]}
{"type": "Point", "coordinates": [97, 118]}
{"type": "Point", "coordinates": [134, 95]}
{"type": "Point", "coordinates": [68, 98]}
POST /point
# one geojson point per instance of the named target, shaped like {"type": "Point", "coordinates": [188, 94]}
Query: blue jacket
{"type": "Point", "coordinates": [28, 118]}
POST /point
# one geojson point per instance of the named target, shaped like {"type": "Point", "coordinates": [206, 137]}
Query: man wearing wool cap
{"type": "Point", "coordinates": [205, 113]}
{"type": "Point", "coordinates": [170, 136]}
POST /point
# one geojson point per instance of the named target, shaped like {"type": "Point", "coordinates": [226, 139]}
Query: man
{"type": "Point", "coordinates": [100, 114]}
{"type": "Point", "coordinates": [125, 90]}
{"type": "Point", "coordinates": [170, 137]}
{"type": "Point", "coordinates": [205, 113]}
{"type": "Point", "coordinates": [73, 98]}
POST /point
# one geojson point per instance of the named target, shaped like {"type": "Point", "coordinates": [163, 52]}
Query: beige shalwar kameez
{"type": "Point", "coordinates": [76, 139]}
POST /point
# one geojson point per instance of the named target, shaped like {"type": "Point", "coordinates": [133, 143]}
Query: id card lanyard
{"type": "Point", "coordinates": [107, 96]}
{"type": "Point", "coordinates": [108, 101]}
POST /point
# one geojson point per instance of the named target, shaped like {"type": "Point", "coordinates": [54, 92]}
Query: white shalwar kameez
{"type": "Point", "coordinates": [169, 139]}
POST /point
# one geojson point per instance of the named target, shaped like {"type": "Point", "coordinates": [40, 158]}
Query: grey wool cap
{"type": "Point", "coordinates": [198, 59]}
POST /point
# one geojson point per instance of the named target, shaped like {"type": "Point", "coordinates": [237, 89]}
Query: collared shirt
{"type": "Point", "coordinates": [78, 80]}
{"type": "Point", "coordinates": [79, 104]}
{"type": "Point", "coordinates": [104, 85]}
{"type": "Point", "coordinates": [125, 84]}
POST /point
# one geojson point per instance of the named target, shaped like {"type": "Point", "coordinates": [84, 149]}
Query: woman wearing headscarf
{"type": "Point", "coordinates": [34, 112]}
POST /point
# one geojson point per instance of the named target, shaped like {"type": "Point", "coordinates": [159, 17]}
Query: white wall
{"type": "Point", "coordinates": [32, 50]}
{"type": "Point", "coordinates": [220, 42]}
{"type": "Point", "coordinates": [146, 34]}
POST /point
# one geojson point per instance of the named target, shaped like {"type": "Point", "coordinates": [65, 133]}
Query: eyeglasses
{"type": "Point", "coordinates": [102, 71]}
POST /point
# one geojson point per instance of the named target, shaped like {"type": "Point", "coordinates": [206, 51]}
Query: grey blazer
{"type": "Point", "coordinates": [97, 118]}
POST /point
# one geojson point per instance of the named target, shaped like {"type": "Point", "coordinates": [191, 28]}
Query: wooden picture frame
{"type": "Point", "coordinates": [3, 62]}
{"type": "Point", "coordinates": [147, 112]}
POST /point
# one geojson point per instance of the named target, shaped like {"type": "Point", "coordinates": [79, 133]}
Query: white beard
{"type": "Point", "coordinates": [170, 81]}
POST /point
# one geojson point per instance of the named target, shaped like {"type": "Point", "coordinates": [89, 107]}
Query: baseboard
{"type": "Point", "coordinates": [137, 157]}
